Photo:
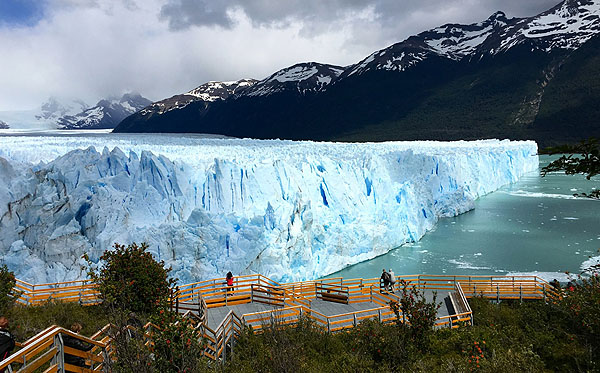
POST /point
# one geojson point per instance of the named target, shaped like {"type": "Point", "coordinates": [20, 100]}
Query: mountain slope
{"type": "Point", "coordinates": [106, 114]}
{"type": "Point", "coordinates": [199, 99]}
{"type": "Point", "coordinates": [498, 78]}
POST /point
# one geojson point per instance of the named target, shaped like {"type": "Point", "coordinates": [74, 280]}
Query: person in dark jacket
{"type": "Point", "coordinates": [76, 344]}
{"type": "Point", "coordinates": [7, 341]}
{"type": "Point", "coordinates": [385, 280]}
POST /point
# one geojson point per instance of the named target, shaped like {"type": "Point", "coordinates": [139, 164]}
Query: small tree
{"type": "Point", "coordinates": [418, 315]}
{"type": "Point", "coordinates": [7, 293]}
{"type": "Point", "coordinates": [130, 279]}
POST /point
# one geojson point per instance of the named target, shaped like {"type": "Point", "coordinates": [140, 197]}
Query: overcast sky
{"type": "Point", "coordinates": [91, 49]}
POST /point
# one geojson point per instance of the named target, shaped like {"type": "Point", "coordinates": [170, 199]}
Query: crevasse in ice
{"type": "Point", "coordinates": [288, 210]}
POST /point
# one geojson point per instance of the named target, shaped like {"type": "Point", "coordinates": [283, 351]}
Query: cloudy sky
{"type": "Point", "coordinates": [90, 49]}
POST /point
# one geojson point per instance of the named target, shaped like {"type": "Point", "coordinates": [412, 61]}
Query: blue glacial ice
{"type": "Point", "coordinates": [288, 210]}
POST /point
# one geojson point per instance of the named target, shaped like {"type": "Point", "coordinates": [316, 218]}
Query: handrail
{"type": "Point", "coordinates": [45, 346]}
{"type": "Point", "coordinates": [85, 291]}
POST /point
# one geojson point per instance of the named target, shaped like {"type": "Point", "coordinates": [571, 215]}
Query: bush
{"type": "Point", "coordinates": [130, 279]}
{"type": "Point", "coordinates": [176, 346]}
{"type": "Point", "coordinates": [582, 307]}
{"type": "Point", "coordinates": [418, 315]}
{"type": "Point", "coordinates": [27, 321]}
{"type": "Point", "coordinates": [7, 292]}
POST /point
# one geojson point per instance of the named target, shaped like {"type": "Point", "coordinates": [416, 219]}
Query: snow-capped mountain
{"type": "Point", "coordinates": [302, 78]}
{"type": "Point", "coordinates": [43, 117]}
{"type": "Point", "coordinates": [106, 114]}
{"type": "Point", "coordinates": [451, 41]}
{"type": "Point", "coordinates": [566, 26]}
{"type": "Point", "coordinates": [208, 92]}
{"type": "Point", "coordinates": [502, 77]}
{"type": "Point", "coordinates": [3, 125]}
{"type": "Point", "coordinates": [53, 109]}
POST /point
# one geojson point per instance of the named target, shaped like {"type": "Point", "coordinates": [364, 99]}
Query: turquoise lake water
{"type": "Point", "coordinates": [532, 226]}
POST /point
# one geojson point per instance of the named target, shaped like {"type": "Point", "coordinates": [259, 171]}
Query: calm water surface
{"type": "Point", "coordinates": [532, 226]}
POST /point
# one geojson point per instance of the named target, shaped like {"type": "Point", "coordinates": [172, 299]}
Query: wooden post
{"type": "Point", "coordinates": [177, 300]}
{"type": "Point", "coordinates": [60, 354]}
{"type": "Point", "coordinates": [328, 326]}
{"type": "Point", "coordinates": [379, 314]}
{"type": "Point", "coordinates": [497, 293]}
{"type": "Point", "coordinates": [521, 293]}
{"type": "Point", "coordinates": [354, 320]}
{"type": "Point", "coordinates": [450, 323]}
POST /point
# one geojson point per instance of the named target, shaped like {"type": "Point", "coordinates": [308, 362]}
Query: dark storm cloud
{"type": "Point", "coordinates": [182, 14]}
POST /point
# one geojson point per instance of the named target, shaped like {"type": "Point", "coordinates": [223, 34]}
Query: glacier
{"type": "Point", "coordinates": [287, 209]}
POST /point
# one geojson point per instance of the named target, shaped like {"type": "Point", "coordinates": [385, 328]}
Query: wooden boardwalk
{"type": "Point", "coordinates": [335, 304]}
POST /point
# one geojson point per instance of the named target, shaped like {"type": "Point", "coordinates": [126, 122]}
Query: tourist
{"type": "Point", "coordinates": [570, 286]}
{"type": "Point", "coordinates": [555, 284]}
{"type": "Point", "coordinates": [77, 344]}
{"type": "Point", "coordinates": [7, 341]}
{"type": "Point", "coordinates": [229, 281]}
{"type": "Point", "coordinates": [392, 280]}
{"type": "Point", "coordinates": [385, 280]}
{"type": "Point", "coordinates": [134, 325]}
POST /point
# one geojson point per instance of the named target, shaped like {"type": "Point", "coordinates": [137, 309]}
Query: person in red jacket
{"type": "Point", "coordinates": [229, 279]}
{"type": "Point", "coordinates": [7, 341]}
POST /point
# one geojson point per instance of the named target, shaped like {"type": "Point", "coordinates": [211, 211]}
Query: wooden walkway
{"type": "Point", "coordinates": [333, 305]}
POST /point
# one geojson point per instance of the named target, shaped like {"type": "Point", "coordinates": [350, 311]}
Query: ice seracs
{"type": "Point", "coordinates": [289, 210]}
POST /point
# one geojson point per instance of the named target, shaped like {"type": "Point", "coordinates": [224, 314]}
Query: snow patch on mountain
{"type": "Point", "coordinates": [288, 210]}
{"type": "Point", "coordinates": [566, 26]}
{"type": "Point", "coordinates": [301, 78]}
{"type": "Point", "coordinates": [207, 92]}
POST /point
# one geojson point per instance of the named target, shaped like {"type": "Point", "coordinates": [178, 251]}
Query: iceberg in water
{"type": "Point", "coordinates": [289, 210]}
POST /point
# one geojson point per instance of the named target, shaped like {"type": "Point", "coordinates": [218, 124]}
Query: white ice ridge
{"type": "Point", "coordinates": [288, 210]}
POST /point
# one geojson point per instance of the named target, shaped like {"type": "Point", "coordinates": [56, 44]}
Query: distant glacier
{"type": "Point", "coordinates": [289, 210]}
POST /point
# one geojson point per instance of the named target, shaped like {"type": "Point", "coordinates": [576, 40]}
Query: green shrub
{"type": "Point", "coordinates": [418, 315]}
{"type": "Point", "coordinates": [7, 292]}
{"type": "Point", "coordinates": [27, 321]}
{"type": "Point", "coordinates": [175, 346]}
{"type": "Point", "coordinates": [130, 279]}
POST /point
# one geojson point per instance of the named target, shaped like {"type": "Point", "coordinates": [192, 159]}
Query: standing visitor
{"type": "Point", "coordinates": [392, 280]}
{"type": "Point", "coordinates": [229, 281]}
{"type": "Point", "coordinates": [385, 280]}
{"type": "Point", "coordinates": [7, 341]}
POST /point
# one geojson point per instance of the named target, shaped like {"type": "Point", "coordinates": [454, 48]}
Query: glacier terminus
{"type": "Point", "coordinates": [290, 210]}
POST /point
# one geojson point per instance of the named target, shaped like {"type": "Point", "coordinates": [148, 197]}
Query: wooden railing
{"type": "Point", "coordinates": [82, 291]}
{"type": "Point", "coordinates": [47, 349]}
{"type": "Point", "coordinates": [292, 301]}
{"type": "Point", "coordinates": [217, 294]}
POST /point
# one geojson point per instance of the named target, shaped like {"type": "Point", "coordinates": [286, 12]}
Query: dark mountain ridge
{"type": "Point", "coordinates": [519, 78]}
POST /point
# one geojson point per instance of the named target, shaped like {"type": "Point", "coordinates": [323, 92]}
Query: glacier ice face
{"type": "Point", "coordinates": [288, 210]}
